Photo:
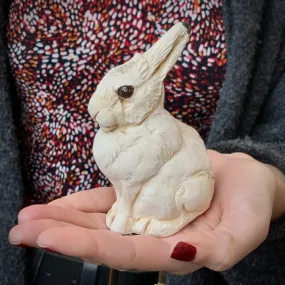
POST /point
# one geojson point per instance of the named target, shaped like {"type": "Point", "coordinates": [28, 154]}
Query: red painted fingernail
{"type": "Point", "coordinates": [22, 245]}
{"type": "Point", "coordinates": [184, 252]}
{"type": "Point", "coordinates": [49, 250]}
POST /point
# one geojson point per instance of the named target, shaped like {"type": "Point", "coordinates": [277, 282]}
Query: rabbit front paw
{"type": "Point", "coordinates": [154, 227]}
{"type": "Point", "coordinates": [118, 221]}
{"type": "Point", "coordinates": [111, 215]}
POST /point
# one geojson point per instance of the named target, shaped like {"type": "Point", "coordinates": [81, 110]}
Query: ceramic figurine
{"type": "Point", "coordinates": [158, 165]}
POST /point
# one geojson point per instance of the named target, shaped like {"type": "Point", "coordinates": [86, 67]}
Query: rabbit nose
{"type": "Point", "coordinates": [106, 120]}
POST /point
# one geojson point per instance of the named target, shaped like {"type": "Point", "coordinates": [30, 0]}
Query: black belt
{"type": "Point", "coordinates": [53, 269]}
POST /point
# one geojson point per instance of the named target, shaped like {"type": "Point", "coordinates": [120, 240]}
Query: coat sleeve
{"type": "Point", "coordinates": [266, 143]}
{"type": "Point", "coordinates": [12, 259]}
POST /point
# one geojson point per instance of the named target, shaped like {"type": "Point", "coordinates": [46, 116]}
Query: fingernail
{"type": "Point", "coordinates": [21, 245]}
{"type": "Point", "coordinates": [15, 241]}
{"type": "Point", "coordinates": [22, 217]}
{"type": "Point", "coordinates": [49, 250]}
{"type": "Point", "coordinates": [184, 252]}
{"type": "Point", "coordinates": [46, 248]}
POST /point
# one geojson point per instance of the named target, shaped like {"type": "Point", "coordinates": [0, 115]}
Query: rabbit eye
{"type": "Point", "coordinates": [126, 92]}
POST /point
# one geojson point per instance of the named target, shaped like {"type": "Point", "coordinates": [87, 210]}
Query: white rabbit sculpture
{"type": "Point", "coordinates": [158, 165]}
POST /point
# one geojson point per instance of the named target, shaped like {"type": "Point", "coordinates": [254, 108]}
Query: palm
{"type": "Point", "coordinates": [75, 225]}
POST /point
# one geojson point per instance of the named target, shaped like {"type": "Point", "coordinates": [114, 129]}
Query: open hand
{"type": "Point", "coordinates": [236, 223]}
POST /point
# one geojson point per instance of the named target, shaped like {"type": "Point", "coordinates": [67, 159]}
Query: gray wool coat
{"type": "Point", "coordinates": [250, 118]}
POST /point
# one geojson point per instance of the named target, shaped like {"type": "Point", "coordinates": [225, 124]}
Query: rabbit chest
{"type": "Point", "coordinates": [136, 153]}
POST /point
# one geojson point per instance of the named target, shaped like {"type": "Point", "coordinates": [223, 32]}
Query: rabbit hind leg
{"type": "Point", "coordinates": [111, 215]}
{"type": "Point", "coordinates": [192, 198]}
{"type": "Point", "coordinates": [195, 193]}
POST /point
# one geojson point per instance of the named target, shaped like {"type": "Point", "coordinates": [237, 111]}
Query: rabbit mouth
{"type": "Point", "coordinates": [106, 120]}
{"type": "Point", "coordinates": [108, 129]}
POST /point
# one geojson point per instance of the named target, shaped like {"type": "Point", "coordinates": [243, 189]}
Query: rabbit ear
{"type": "Point", "coordinates": [141, 70]}
{"type": "Point", "coordinates": [162, 56]}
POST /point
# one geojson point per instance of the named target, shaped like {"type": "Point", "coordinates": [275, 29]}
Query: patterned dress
{"type": "Point", "coordinates": [60, 50]}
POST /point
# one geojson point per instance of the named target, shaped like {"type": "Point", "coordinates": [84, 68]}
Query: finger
{"type": "Point", "coordinates": [28, 233]}
{"type": "Point", "coordinates": [142, 253]}
{"type": "Point", "coordinates": [89, 201]}
{"type": "Point", "coordinates": [71, 216]}
{"type": "Point", "coordinates": [239, 155]}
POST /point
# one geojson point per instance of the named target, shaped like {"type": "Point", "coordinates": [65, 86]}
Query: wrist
{"type": "Point", "coordinates": [279, 192]}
